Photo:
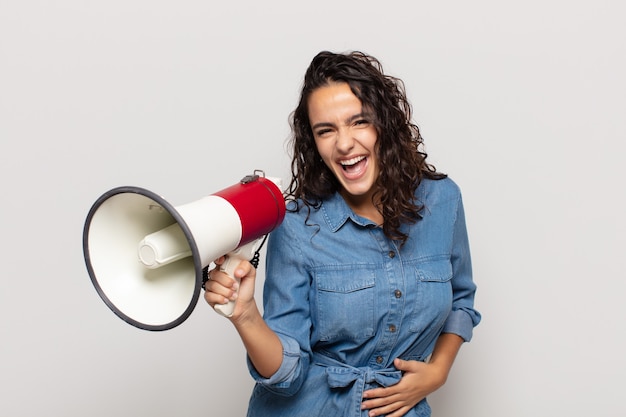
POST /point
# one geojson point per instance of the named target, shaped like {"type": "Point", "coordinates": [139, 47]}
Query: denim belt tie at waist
{"type": "Point", "coordinates": [341, 376]}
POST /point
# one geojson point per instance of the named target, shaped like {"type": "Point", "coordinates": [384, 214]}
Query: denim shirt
{"type": "Point", "coordinates": [345, 301]}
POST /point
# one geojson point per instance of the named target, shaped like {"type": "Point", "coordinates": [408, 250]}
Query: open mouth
{"type": "Point", "coordinates": [354, 165]}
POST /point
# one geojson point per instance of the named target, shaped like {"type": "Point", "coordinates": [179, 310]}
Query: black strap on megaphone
{"type": "Point", "coordinates": [257, 255]}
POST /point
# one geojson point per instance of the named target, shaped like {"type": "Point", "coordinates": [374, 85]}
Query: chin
{"type": "Point", "coordinates": [358, 190]}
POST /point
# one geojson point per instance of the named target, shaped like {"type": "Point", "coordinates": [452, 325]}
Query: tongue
{"type": "Point", "coordinates": [355, 169]}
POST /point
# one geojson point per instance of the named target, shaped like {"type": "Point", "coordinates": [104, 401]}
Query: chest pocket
{"type": "Point", "coordinates": [345, 303]}
{"type": "Point", "coordinates": [434, 295]}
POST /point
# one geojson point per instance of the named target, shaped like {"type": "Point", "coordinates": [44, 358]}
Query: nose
{"type": "Point", "coordinates": [345, 140]}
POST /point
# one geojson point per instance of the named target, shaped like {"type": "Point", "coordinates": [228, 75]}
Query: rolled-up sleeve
{"type": "Point", "coordinates": [286, 380]}
{"type": "Point", "coordinates": [463, 317]}
{"type": "Point", "coordinates": [286, 309]}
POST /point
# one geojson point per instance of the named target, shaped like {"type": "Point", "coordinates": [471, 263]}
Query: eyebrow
{"type": "Point", "coordinates": [348, 121]}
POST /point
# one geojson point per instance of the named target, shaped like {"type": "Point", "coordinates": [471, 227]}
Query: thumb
{"type": "Point", "coordinates": [401, 365]}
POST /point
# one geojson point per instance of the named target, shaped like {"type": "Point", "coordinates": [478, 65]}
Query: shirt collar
{"type": "Point", "coordinates": [336, 212]}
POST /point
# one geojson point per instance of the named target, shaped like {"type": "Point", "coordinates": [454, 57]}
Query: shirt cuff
{"type": "Point", "coordinates": [289, 370]}
{"type": "Point", "coordinates": [459, 323]}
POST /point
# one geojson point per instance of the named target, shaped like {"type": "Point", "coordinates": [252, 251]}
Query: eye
{"type": "Point", "coordinates": [322, 132]}
{"type": "Point", "coordinates": [361, 122]}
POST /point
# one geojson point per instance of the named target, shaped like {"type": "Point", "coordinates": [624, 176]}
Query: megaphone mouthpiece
{"type": "Point", "coordinates": [163, 247]}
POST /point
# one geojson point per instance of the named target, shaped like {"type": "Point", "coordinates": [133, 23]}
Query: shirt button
{"type": "Point", "coordinates": [392, 254]}
{"type": "Point", "coordinates": [379, 359]}
{"type": "Point", "coordinates": [392, 328]}
{"type": "Point", "coordinates": [397, 293]}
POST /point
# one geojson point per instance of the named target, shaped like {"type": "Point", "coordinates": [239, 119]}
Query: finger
{"type": "Point", "coordinates": [222, 278]}
{"type": "Point", "coordinates": [217, 294]}
{"type": "Point", "coordinates": [384, 408]}
{"type": "Point", "coordinates": [375, 398]}
{"type": "Point", "coordinates": [213, 298]}
{"type": "Point", "coordinates": [401, 365]}
{"type": "Point", "coordinates": [242, 269]}
{"type": "Point", "coordinates": [399, 412]}
{"type": "Point", "coordinates": [408, 366]}
{"type": "Point", "coordinates": [380, 392]}
{"type": "Point", "coordinates": [220, 284]}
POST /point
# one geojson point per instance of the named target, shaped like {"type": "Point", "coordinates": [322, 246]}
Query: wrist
{"type": "Point", "coordinates": [440, 373]}
{"type": "Point", "coordinates": [248, 317]}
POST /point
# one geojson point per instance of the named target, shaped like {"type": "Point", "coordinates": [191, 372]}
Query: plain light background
{"type": "Point", "coordinates": [522, 103]}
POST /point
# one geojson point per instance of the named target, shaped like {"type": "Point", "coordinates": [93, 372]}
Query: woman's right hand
{"type": "Point", "coordinates": [221, 288]}
{"type": "Point", "coordinates": [264, 348]}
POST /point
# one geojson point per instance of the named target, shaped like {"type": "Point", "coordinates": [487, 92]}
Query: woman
{"type": "Point", "coordinates": [368, 292]}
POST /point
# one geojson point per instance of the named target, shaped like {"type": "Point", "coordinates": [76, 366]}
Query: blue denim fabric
{"type": "Point", "coordinates": [346, 301]}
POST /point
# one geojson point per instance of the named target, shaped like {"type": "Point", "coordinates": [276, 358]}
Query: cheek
{"type": "Point", "coordinates": [373, 138]}
{"type": "Point", "coordinates": [368, 138]}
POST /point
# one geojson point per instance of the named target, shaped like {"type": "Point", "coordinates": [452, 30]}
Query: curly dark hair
{"type": "Point", "coordinates": [399, 145]}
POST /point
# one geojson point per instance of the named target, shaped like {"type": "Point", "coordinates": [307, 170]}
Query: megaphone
{"type": "Point", "coordinates": [148, 259]}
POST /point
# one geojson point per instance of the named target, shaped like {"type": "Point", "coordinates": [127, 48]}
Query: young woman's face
{"type": "Point", "coordinates": [346, 139]}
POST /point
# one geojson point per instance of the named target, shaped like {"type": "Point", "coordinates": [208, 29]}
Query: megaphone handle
{"type": "Point", "coordinates": [243, 253]}
{"type": "Point", "coordinates": [228, 267]}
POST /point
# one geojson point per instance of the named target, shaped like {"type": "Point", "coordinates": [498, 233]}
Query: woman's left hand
{"type": "Point", "coordinates": [419, 379]}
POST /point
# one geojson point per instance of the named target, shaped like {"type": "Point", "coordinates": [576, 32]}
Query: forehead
{"type": "Point", "coordinates": [333, 100]}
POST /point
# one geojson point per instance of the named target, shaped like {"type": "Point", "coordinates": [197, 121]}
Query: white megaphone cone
{"type": "Point", "coordinates": [146, 258]}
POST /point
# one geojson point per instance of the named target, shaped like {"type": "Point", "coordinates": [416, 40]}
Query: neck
{"type": "Point", "coordinates": [364, 207]}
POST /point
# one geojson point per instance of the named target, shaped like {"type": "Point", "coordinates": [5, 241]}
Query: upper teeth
{"type": "Point", "coordinates": [352, 161]}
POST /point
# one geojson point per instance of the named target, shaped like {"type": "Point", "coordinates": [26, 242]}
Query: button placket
{"type": "Point", "coordinates": [393, 273]}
